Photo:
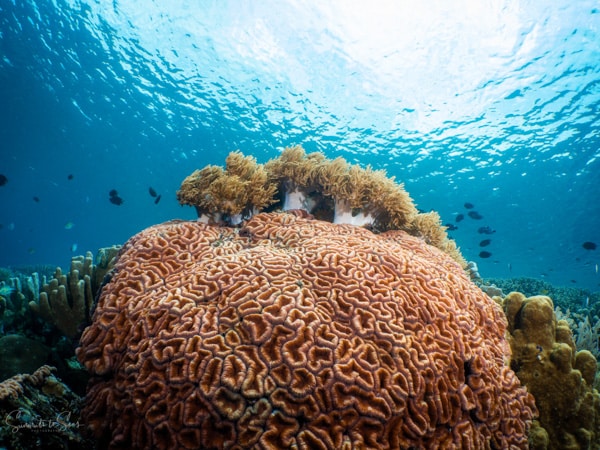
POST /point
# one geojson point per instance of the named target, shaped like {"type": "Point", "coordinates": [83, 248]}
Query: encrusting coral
{"type": "Point", "coordinates": [291, 332]}
{"type": "Point", "coordinates": [560, 378]}
{"type": "Point", "coordinates": [331, 190]}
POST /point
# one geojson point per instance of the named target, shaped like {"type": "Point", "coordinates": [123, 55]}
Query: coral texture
{"type": "Point", "coordinates": [12, 388]}
{"type": "Point", "coordinates": [560, 378]}
{"type": "Point", "coordinates": [233, 194]}
{"type": "Point", "coordinates": [291, 332]}
{"type": "Point", "coordinates": [331, 190]}
{"type": "Point", "coordinates": [67, 299]}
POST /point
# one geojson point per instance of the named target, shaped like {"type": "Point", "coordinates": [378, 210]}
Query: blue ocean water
{"type": "Point", "coordinates": [493, 103]}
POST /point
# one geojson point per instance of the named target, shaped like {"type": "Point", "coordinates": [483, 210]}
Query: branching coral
{"type": "Point", "coordinates": [66, 301]}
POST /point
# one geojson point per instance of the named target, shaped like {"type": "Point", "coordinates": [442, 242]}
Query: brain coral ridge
{"type": "Point", "coordinates": [291, 332]}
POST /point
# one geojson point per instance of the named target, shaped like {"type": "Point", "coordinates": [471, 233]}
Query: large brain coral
{"type": "Point", "coordinates": [291, 332]}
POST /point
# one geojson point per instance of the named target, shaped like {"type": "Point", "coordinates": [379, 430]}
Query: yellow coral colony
{"type": "Point", "coordinates": [545, 359]}
{"type": "Point", "coordinates": [230, 195]}
{"type": "Point", "coordinates": [331, 190]}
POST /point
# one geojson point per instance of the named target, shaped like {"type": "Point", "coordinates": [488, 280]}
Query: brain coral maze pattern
{"type": "Point", "coordinates": [296, 333]}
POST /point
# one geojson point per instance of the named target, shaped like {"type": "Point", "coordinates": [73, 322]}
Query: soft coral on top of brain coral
{"type": "Point", "coordinates": [331, 190]}
{"type": "Point", "coordinates": [230, 195]}
{"type": "Point", "coordinates": [358, 196]}
{"type": "Point", "coordinates": [297, 333]}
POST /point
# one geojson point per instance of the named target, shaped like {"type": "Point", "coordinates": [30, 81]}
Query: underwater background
{"type": "Point", "coordinates": [488, 112]}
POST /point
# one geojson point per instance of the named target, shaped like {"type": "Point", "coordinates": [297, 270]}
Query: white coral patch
{"type": "Point", "coordinates": [298, 199]}
{"type": "Point", "coordinates": [344, 214]}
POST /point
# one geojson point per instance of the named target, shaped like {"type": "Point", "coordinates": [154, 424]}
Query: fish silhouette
{"type": "Point", "coordinates": [485, 230]}
{"type": "Point", "coordinates": [114, 197]}
{"type": "Point", "coordinates": [116, 200]}
{"type": "Point", "coordinates": [475, 215]}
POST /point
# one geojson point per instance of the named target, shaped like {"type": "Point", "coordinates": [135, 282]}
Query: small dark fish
{"type": "Point", "coordinates": [450, 226]}
{"type": "Point", "coordinates": [36, 199]}
{"type": "Point", "coordinates": [3, 180]}
{"type": "Point", "coordinates": [70, 176]}
{"type": "Point", "coordinates": [485, 230]}
{"type": "Point", "coordinates": [116, 200]}
{"type": "Point", "coordinates": [573, 281]}
{"type": "Point", "coordinates": [589, 245]}
{"type": "Point", "coordinates": [469, 205]}
{"type": "Point", "coordinates": [484, 254]}
{"type": "Point", "coordinates": [152, 192]}
{"type": "Point", "coordinates": [460, 217]}
{"type": "Point", "coordinates": [475, 215]}
{"type": "Point", "coordinates": [113, 193]}
{"type": "Point", "coordinates": [485, 242]}
{"type": "Point", "coordinates": [157, 200]}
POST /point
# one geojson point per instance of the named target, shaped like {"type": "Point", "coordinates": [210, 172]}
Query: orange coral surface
{"type": "Point", "coordinates": [291, 332]}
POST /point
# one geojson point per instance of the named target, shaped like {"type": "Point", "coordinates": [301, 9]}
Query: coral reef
{"type": "Point", "coordinates": [586, 331]}
{"type": "Point", "coordinates": [233, 194]}
{"type": "Point", "coordinates": [14, 311]}
{"type": "Point", "coordinates": [331, 190]}
{"type": "Point", "coordinates": [291, 332]}
{"type": "Point", "coordinates": [575, 299]}
{"type": "Point", "coordinates": [359, 196]}
{"type": "Point", "coordinates": [66, 301]}
{"type": "Point", "coordinates": [39, 411]}
{"type": "Point", "coordinates": [545, 359]}
{"type": "Point", "coordinates": [62, 308]}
